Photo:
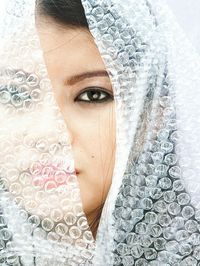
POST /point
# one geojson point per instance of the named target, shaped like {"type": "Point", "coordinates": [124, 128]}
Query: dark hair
{"type": "Point", "coordinates": [67, 12]}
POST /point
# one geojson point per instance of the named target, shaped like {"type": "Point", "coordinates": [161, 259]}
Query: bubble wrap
{"type": "Point", "coordinates": [41, 216]}
{"type": "Point", "coordinates": [151, 215]}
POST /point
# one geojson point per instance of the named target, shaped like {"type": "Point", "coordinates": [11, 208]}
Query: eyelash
{"type": "Point", "coordinates": [91, 91]}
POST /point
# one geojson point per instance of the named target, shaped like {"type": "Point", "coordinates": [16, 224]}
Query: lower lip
{"type": "Point", "coordinates": [49, 181]}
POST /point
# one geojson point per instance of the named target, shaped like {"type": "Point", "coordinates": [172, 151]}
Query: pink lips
{"type": "Point", "coordinates": [51, 175]}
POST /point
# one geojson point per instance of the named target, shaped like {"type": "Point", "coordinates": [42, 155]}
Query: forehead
{"type": "Point", "coordinates": [67, 48]}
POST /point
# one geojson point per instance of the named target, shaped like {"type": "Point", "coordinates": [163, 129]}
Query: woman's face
{"type": "Point", "coordinates": [84, 94]}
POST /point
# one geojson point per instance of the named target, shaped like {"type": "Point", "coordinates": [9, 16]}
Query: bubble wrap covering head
{"type": "Point", "coordinates": [151, 215]}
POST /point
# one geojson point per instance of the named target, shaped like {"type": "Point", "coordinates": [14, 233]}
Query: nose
{"type": "Point", "coordinates": [65, 135]}
{"type": "Point", "coordinates": [69, 122]}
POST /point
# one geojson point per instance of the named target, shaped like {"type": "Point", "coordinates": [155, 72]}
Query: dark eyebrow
{"type": "Point", "coordinates": [75, 78]}
{"type": "Point", "coordinates": [90, 74]}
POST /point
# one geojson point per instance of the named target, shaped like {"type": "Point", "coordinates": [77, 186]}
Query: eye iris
{"type": "Point", "coordinates": [94, 95]}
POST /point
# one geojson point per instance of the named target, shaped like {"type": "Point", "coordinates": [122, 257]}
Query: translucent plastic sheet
{"type": "Point", "coordinates": [41, 216]}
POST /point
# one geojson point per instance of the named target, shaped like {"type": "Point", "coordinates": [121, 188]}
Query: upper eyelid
{"type": "Point", "coordinates": [97, 88]}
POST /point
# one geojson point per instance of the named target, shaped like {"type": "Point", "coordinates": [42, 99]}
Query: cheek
{"type": "Point", "coordinates": [92, 132]}
{"type": "Point", "coordinates": [97, 137]}
{"type": "Point", "coordinates": [95, 152]}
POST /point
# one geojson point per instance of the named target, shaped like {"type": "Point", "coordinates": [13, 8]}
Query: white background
{"type": "Point", "coordinates": [188, 16]}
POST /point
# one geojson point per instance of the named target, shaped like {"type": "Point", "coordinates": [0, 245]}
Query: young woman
{"type": "Point", "coordinates": [99, 150]}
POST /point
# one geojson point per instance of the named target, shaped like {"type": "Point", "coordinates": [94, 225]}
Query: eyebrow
{"type": "Point", "coordinates": [75, 78]}
{"type": "Point", "coordinates": [90, 74]}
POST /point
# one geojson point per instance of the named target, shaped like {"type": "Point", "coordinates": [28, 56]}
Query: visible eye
{"type": "Point", "coordinates": [94, 95]}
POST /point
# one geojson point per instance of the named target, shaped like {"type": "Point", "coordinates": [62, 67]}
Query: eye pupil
{"type": "Point", "coordinates": [94, 95]}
